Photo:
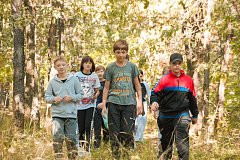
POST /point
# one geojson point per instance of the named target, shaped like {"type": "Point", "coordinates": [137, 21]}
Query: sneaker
{"type": "Point", "coordinates": [81, 152]}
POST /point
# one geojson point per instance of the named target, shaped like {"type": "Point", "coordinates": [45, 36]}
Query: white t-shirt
{"type": "Point", "coordinates": [88, 83]}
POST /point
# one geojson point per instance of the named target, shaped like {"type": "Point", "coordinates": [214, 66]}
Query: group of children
{"type": "Point", "coordinates": [114, 100]}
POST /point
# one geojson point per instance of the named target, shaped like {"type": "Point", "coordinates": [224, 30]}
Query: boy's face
{"type": "Point", "coordinates": [176, 66]}
{"type": "Point", "coordinates": [61, 66]}
{"type": "Point", "coordinates": [121, 55]}
{"type": "Point", "coordinates": [100, 73]}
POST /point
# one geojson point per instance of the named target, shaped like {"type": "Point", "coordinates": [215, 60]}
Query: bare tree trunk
{"type": "Point", "coordinates": [18, 64]}
{"type": "Point", "coordinates": [31, 72]}
{"type": "Point", "coordinates": [1, 95]}
{"type": "Point", "coordinates": [193, 50]}
{"type": "Point", "coordinates": [61, 37]}
{"type": "Point", "coordinates": [1, 87]}
{"type": "Point", "coordinates": [52, 40]}
{"type": "Point", "coordinates": [206, 45]}
{"type": "Point", "coordinates": [1, 29]}
{"type": "Point", "coordinates": [222, 83]}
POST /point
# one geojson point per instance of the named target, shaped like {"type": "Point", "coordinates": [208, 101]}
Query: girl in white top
{"type": "Point", "coordinates": [90, 90]}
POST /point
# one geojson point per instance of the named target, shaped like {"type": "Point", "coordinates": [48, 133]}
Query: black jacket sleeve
{"type": "Point", "coordinates": [193, 105]}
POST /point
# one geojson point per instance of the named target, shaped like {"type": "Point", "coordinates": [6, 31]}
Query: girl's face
{"type": "Point", "coordinates": [87, 66]}
{"type": "Point", "coordinates": [140, 77]}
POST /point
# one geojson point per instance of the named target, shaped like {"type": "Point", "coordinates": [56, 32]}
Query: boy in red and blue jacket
{"type": "Point", "coordinates": [174, 96]}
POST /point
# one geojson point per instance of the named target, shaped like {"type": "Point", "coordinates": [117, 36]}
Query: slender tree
{"type": "Point", "coordinates": [18, 64]}
{"type": "Point", "coordinates": [1, 28]}
{"type": "Point", "coordinates": [31, 68]}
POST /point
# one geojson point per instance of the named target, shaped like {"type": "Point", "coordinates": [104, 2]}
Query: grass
{"type": "Point", "coordinates": [37, 145]}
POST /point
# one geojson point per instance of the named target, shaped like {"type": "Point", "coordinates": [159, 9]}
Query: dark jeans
{"type": "Point", "coordinates": [98, 127]}
{"type": "Point", "coordinates": [84, 125]}
{"type": "Point", "coordinates": [178, 129]}
{"type": "Point", "coordinates": [121, 120]}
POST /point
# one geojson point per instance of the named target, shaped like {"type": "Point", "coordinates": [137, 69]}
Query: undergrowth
{"type": "Point", "coordinates": [37, 144]}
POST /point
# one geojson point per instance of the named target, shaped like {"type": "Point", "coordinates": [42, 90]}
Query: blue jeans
{"type": "Point", "coordinates": [64, 128]}
{"type": "Point", "coordinates": [175, 129]}
{"type": "Point", "coordinates": [140, 124]}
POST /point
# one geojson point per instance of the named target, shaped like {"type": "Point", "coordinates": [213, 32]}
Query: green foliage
{"type": "Point", "coordinates": [153, 29]}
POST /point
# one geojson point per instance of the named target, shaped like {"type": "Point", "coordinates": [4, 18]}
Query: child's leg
{"type": "Point", "coordinates": [182, 137]}
{"type": "Point", "coordinates": [127, 128]}
{"type": "Point", "coordinates": [114, 128]}
{"type": "Point", "coordinates": [167, 130]}
{"type": "Point", "coordinates": [58, 137]}
{"type": "Point", "coordinates": [70, 132]}
{"type": "Point", "coordinates": [88, 120]}
{"type": "Point", "coordinates": [81, 125]}
{"type": "Point", "coordinates": [97, 127]}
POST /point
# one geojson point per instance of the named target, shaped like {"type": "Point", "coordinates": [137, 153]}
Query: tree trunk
{"type": "Point", "coordinates": [1, 29]}
{"type": "Point", "coordinates": [61, 37]}
{"type": "Point", "coordinates": [18, 65]}
{"type": "Point", "coordinates": [193, 51]}
{"type": "Point", "coordinates": [206, 45]}
{"type": "Point", "coordinates": [31, 72]}
{"type": "Point", "coordinates": [1, 87]}
{"type": "Point", "coordinates": [52, 40]}
{"type": "Point", "coordinates": [222, 83]}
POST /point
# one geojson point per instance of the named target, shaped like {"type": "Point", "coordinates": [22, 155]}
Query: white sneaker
{"type": "Point", "coordinates": [82, 152]}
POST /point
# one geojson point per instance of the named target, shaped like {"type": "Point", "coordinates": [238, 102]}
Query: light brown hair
{"type": "Point", "coordinates": [120, 44]}
{"type": "Point", "coordinates": [100, 67]}
{"type": "Point", "coordinates": [59, 58]}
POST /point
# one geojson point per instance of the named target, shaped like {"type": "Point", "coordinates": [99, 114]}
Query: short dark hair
{"type": "Point", "coordinates": [120, 44]}
{"type": "Point", "coordinates": [87, 59]}
{"type": "Point", "coordinates": [100, 67]}
{"type": "Point", "coordinates": [141, 71]}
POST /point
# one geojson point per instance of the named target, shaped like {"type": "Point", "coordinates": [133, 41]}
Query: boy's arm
{"type": "Point", "coordinates": [105, 95]}
{"type": "Point", "coordinates": [193, 104]}
{"type": "Point", "coordinates": [139, 95]}
{"type": "Point", "coordinates": [49, 97]}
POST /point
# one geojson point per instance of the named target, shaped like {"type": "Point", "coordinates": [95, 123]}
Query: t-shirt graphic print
{"type": "Point", "coordinates": [88, 84]}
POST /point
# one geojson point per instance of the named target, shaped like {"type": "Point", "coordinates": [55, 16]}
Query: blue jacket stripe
{"type": "Point", "coordinates": [183, 89]}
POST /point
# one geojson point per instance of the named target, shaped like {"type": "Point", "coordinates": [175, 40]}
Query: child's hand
{"type": "Point", "coordinates": [58, 99]}
{"type": "Point", "coordinates": [67, 98]}
{"type": "Point", "coordinates": [155, 114]}
{"type": "Point", "coordinates": [94, 97]}
{"type": "Point", "coordinates": [139, 109]}
{"type": "Point", "coordinates": [104, 111]}
{"type": "Point", "coordinates": [99, 106]}
{"type": "Point", "coordinates": [194, 120]}
{"type": "Point", "coordinates": [154, 106]}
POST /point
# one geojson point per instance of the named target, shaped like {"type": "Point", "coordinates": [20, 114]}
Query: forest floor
{"type": "Point", "coordinates": [37, 144]}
